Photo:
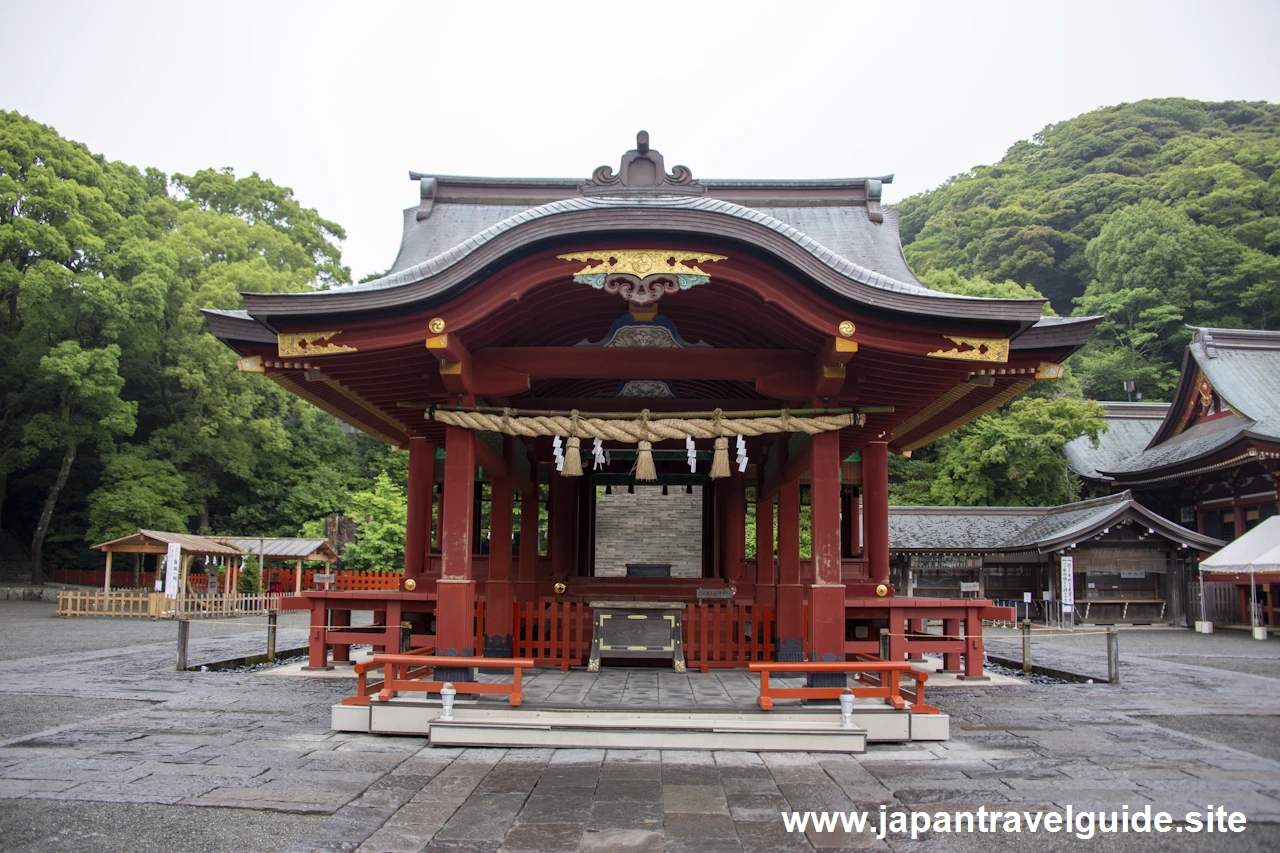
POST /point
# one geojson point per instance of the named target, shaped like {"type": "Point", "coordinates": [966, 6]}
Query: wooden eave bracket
{"type": "Point", "coordinates": [455, 362]}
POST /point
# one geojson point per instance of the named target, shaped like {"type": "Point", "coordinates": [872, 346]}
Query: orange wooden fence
{"type": "Point", "coordinates": [553, 632]}
{"type": "Point", "coordinates": [723, 634]}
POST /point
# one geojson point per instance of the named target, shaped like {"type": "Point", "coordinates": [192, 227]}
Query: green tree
{"type": "Point", "coordinates": [136, 492]}
{"type": "Point", "coordinates": [380, 515]}
{"type": "Point", "coordinates": [250, 581]}
{"type": "Point", "coordinates": [86, 385]}
{"type": "Point", "coordinates": [1014, 457]}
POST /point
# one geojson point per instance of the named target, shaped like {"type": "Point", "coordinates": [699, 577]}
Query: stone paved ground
{"type": "Point", "coordinates": [103, 747]}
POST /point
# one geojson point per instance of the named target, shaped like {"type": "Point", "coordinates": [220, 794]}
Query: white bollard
{"type": "Point", "coordinates": [446, 700]}
{"type": "Point", "coordinates": [846, 709]}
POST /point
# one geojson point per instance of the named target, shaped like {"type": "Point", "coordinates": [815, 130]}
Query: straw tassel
{"type": "Point", "coordinates": [644, 463]}
{"type": "Point", "coordinates": [644, 460]}
{"type": "Point", "coordinates": [572, 458]}
{"type": "Point", "coordinates": [573, 455]}
{"type": "Point", "coordinates": [720, 462]}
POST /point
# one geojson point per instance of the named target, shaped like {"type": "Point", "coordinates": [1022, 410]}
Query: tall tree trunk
{"type": "Point", "coordinates": [137, 570]}
{"type": "Point", "coordinates": [203, 527]}
{"type": "Point", "coordinates": [37, 541]}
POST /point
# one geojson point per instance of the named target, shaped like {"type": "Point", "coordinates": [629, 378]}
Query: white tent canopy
{"type": "Point", "coordinates": [1256, 551]}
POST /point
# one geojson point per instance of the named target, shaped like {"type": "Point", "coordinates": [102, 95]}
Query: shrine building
{"type": "Point", "coordinates": [750, 351]}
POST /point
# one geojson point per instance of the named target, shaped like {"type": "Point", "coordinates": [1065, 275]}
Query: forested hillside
{"type": "Point", "coordinates": [117, 408]}
{"type": "Point", "coordinates": [1154, 214]}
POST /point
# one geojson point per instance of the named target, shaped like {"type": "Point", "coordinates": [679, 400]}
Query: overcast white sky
{"type": "Point", "coordinates": [341, 100]}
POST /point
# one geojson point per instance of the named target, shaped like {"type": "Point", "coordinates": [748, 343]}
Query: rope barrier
{"type": "Point", "coordinates": [646, 428]}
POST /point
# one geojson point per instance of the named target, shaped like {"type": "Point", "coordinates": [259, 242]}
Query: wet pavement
{"type": "Point", "coordinates": [104, 747]}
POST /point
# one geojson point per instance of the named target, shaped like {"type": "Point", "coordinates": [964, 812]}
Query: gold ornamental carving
{"type": "Point", "coordinates": [410, 584]}
{"type": "Point", "coordinates": [642, 262]}
{"type": "Point", "coordinates": [882, 590]}
{"type": "Point", "coordinates": [310, 343]}
{"type": "Point", "coordinates": [847, 328]}
{"type": "Point", "coordinates": [979, 349]}
{"type": "Point", "coordinates": [559, 588]}
{"type": "Point", "coordinates": [436, 325]}
{"type": "Point", "coordinates": [642, 276]}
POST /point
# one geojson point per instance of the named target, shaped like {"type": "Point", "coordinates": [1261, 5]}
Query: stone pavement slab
{"type": "Point", "coordinates": [141, 749]}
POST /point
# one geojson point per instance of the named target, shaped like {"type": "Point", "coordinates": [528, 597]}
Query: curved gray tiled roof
{"type": "Point", "coordinates": [1018, 529]}
{"type": "Point", "coordinates": [847, 227]}
{"type": "Point", "coordinates": [1130, 428]}
{"type": "Point", "coordinates": [1244, 367]}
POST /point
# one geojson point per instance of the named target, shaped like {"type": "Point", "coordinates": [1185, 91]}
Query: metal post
{"type": "Point", "coordinates": [272, 618]}
{"type": "Point", "coordinates": [184, 635]}
{"type": "Point", "coordinates": [1113, 655]}
{"type": "Point", "coordinates": [1026, 646]}
{"type": "Point", "coordinates": [884, 643]}
{"type": "Point", "coordinates": [405, 628]}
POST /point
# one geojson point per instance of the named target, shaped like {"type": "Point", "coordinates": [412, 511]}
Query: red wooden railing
{"type": "Point", "coordinates": [879, 677]}
{"type": "Point", "coordinates": [724, 634]}
{"type": "Point", "coordinates": [405, 673]}
{"type": "Point", "coordinates": [553, 632]}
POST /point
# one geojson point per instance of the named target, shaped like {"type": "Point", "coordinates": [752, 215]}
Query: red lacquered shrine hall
{"type": "Point", "coordinates": [548, 343]}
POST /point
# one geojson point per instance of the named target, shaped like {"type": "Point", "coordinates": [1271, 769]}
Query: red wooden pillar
{"type": "Point", "coordinates": [563, 513]}
{"type": "Point", "coordinates": [586, 517]}
{"type": "Point", "coordinates": [875, 509]}
{"type": "Point", "coordinates": [734, 511]}
{"type": "Point", "coordinates": [317, 648]}
{"type": "Point", "coordinates": [790, 591]}
{"type": "Point", "coordinates": [498, 591]}
{"type": "Point", "coordinates": [766, 569]}
{"type": "Point", "coordinates": [456, 590]}
{"type": "Point", "coordinates": [973, 646]}
{"type": "Point", "coordinates": [826, 596]}
{"type": "Point", "coordinates": [849, 527]}
{"type": "Point", "coordinates": [951, 660]}
{"type": "Point", "coordinates": [417, 534]}
{"type": "Point", "coordinates": [527, 586]}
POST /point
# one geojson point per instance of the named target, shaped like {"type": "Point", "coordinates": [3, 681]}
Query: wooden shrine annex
{"type": "Point", "coordinates": [771, 326]}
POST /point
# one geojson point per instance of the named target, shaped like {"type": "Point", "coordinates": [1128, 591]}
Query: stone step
{"type": "Point", "coordinates": [816, 730]}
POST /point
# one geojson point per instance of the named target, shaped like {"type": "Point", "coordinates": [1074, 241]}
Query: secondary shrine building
{"type": "Point", "coordinates": [603, 383]}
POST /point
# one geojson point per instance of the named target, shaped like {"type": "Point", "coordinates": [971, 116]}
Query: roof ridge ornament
{"type": "Point", "coordinates": [642, 172]}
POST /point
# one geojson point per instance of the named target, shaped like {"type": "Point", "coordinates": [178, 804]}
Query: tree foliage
{"type": "Point", "coordinates": [118, 409]}
{"type": "Point", "coordinates": [1153, 214]}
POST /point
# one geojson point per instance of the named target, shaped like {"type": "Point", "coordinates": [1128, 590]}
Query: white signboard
{"type": "Point", "coordinates": [1133, 575]}
{"type": "Point", "coordinates": [322, 578]}
{"type": "Point", "coordinates": [1068, 582]}
{"type": "Point", "coordinates": [172, 569]}
{"type": "Point", "coordinates": [969, 586]}
{"type": "Point", "coordinates": [1026, 598]}
{"type": "Point", "coordinates": [716, 593]}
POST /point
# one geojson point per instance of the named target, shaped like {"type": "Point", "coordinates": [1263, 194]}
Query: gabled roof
{"type": "Point", "coordinates": [190, 543]}
{"type": "Point", "coordinates": [1243, 366]}
{"type": "Point", "coordinates": [228, 546]}
{"type": "Point", "coordinates": [1130, 427]}
{"type": "Point", "coordinates": [275, 547]}
{"type": "Point", "coordinates": [1018, 529]}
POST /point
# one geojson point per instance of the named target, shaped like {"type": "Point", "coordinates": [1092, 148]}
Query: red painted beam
{"type": "Point", "coordinates": [614, 363]}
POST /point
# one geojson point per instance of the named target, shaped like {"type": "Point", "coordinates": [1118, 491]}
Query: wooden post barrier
{"type": "Point", "coordinates": [404, 673]}
{"type": "Point", "coordinates": [184, 636]}
{"type": "Point", "coordinates": [1113, 655]}
{"type": "Point", "coordinates": [886, 685]}
{"type": "Point", "coordinates": [271, 635]}
{"type": "Point", "coordinates": [1026, 646]}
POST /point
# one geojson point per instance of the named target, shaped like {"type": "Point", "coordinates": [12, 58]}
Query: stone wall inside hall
{"type": "Point", "coordinates": [649, 527]}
